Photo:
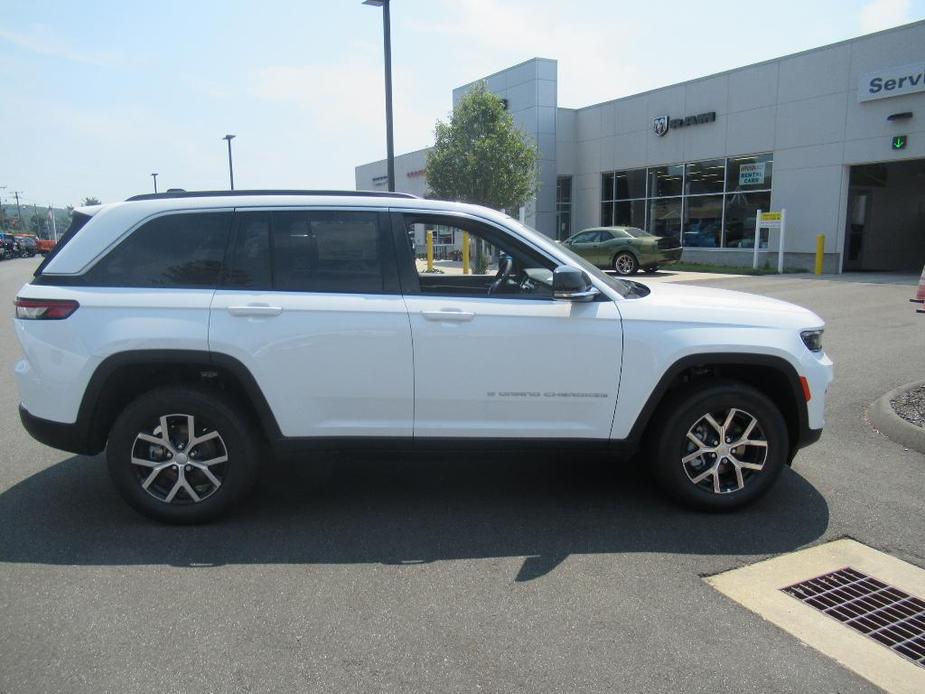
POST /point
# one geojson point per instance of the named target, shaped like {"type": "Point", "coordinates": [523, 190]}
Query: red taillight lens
{"type": "Point", "coordinates": [45, 309]}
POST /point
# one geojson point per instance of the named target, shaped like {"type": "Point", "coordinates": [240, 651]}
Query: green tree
{"type": "Point", "coordinates": [481, 157]}
{"type": "Point", "coordinates": [91, 201]}
{"type": "Point", "coordinates": [36, 223]}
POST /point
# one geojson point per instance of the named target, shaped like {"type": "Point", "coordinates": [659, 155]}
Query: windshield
{"type": "Point", "coordinates": [625, 288]}
{"type": "Point", "coordinates": [636, 233]}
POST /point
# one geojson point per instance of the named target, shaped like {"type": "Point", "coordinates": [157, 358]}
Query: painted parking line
{"type": "Point", "coordinates": [759, 587]}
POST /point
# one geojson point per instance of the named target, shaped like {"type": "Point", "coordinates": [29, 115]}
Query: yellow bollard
{"type": "Point", "coordinates": [820, 252]}
{"type": "Point", "coordinates": [465, 250]}
{"type": "Point", "coordinates": [430, 250]}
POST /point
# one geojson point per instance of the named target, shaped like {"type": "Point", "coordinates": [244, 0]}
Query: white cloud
{"type": "Point", "coordinates": [347, 99]}
{"type": "Point", "coordinates": [883, 14]}
{"type": "Point", "coordinates": [42, 39]}
{"type": "Point", "coordinates": [595, 63]}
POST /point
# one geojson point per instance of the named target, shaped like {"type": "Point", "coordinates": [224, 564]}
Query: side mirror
{"type": "Point", "coordinates": [571, 284]}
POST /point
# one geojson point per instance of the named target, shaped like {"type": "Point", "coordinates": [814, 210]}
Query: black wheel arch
{"type": "Point", "coordinates": [772, 375]}
{"type": "Point", "coordinates": [121, 377]}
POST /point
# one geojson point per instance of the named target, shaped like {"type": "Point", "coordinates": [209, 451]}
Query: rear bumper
{"type": "Point", "coordinates": [670, 255]}
{"type": "Point", "coordinates": [66, 437]}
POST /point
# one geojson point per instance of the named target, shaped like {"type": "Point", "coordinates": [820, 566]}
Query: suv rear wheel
{"type": "Point", "coordinates": [720, 446]}
{"type": "Point", "coordinates": [182, 455]}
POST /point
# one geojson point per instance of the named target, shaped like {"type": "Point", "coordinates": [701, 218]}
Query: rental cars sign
{"type": "Point", "coordinates": [892, 81]}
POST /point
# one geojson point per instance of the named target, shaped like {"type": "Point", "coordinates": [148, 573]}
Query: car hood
{"type": "Point", "coordinates": [684, 302]}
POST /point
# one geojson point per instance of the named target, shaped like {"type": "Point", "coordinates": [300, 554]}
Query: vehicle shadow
{"type": "Point", "coordinates": [408, 509]}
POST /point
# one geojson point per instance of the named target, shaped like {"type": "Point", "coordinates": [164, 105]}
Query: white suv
{"type": "Point", "coordinates": [181, 331]}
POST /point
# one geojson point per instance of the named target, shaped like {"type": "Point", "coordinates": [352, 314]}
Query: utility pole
{"type": "Point", "coordinates": [228, 139]}
{"type": "Point", "coordinates": [17, 193]}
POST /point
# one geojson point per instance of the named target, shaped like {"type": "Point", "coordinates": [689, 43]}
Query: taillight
{"type": "Point", "coordinates": [45, 309]}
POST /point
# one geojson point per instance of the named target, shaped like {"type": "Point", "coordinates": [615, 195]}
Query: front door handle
{"type": "Point", "coordinates": [448, 315]}
{"type": "Point", "coordinates": [261, 310]}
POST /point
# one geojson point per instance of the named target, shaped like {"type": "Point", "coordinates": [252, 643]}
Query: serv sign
{"type": "Point", "coordinates": [892, 81]}
{"type": "Point", "coordinates": [770, 218]}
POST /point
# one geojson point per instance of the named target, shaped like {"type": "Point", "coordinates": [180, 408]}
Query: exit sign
{"type": "Point", "coordinates": [899, 141]}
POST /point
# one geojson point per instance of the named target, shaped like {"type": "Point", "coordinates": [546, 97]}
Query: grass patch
{"type": "Point", "coordinates": [730, 269]}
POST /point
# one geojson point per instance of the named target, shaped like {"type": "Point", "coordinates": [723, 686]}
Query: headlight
{"type": "Point", "coordinates": [812, 339]}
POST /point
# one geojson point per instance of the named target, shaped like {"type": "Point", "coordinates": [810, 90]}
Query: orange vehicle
{"type": "Point", "coordinates": [45, 245]}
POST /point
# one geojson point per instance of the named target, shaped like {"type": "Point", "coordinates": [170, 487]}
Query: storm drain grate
{"type": "Point", "coordinates": [874, 608]}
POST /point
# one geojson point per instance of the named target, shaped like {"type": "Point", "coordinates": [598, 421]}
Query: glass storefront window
{"type": "Point", "coordinates": [705, 177]}
{"type": "Point", "coordinates": [741, 209]}
{"type": "Point", "coordinates": [563, 207]}
{"type": "Point", "coordinates": [749, 173]}
{"type": "Point", "coordinates": [665, 217]}
{"type": "Point", "coordinates": [607, 186]}
{"type": "Point", "coordinates": [710, 203]}
{"type": "Point", "coordinates": [665, 180]}
{"type": "Point", "coordinates": [630, 184]}
{"type": "Point", "coordinates": [630, 213]}
{"type": "Point", "coordinates": [703, 221]}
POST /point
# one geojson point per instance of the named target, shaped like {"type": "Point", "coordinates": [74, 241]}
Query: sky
{"type": "Point", "coordinates": [99, 94]}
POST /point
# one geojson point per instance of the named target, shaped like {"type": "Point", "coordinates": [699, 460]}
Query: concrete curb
{"type": "Point", "coordinates": [891, 425]}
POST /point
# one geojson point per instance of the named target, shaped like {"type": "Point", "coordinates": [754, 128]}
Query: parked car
{"type": "Point", "coordinates": [624, 249]}
{"type": "Point", "coordinates": [8, 246]}
{"type": "Point", "coordinates": [186, 333]}
{"type": "Point", "coordinates": [27, 245]}
{"type": "Point", "coordinates": [44, 246]}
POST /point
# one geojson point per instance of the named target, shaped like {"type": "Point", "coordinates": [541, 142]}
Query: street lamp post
{"type": "Point", "coordinates": [228, 139]}
{"type": "Point", "coordinates": [387, 47]}
{"type": "Point", "coordinates": [154, 176]}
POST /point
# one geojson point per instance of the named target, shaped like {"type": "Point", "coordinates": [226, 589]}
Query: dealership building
{"type": "Point", "coordinates": [835, 136]}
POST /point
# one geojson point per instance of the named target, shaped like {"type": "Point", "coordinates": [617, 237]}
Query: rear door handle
{"type": "Point", "coordinates": [262, 310]}
{"type": "Point", "coordinates": [448, 315]}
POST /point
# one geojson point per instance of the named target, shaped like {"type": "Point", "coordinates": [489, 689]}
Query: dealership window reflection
{"type": "Point", "coordinates": [706, 204]}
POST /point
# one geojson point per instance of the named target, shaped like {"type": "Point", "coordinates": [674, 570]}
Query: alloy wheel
{"type": "Point", "coordinates": [625, 264]}
{"type": "Point", "coordinates": [180, 460]}
{"type": "Point", "coordinates": [724, 450]}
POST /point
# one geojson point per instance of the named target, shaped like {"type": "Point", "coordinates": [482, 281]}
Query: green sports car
{"type": "Point", "coordinates": [624, 249]}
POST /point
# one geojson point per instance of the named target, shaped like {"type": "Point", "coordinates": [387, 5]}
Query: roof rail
{"type": "Point", "coordinates": [227, 193]}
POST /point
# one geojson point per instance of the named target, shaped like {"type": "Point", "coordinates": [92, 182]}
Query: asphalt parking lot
{"type": "Point", "coordinates": [496, 574]}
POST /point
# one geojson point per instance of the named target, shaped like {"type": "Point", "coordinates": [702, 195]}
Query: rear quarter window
{"type": "Point", "coordinates": [174, 250]}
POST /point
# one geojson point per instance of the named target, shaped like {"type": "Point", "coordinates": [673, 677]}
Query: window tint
{"type": "Point", "coordinates": [249, 266]}
{"type": "Point", "coordinates": [177, 250]}
{"type": "Point", "coordinates": [584, 237]}
{"type": "Point", "coordinates": [307, 251]}
{"type": "Point", "coordinates": [326, 251]}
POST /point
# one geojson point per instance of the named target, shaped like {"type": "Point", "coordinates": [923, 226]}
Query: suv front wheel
{"type": "Point", "coordinates": [719, 446]}
{"type": "Point", "coordinates": [182, 455]}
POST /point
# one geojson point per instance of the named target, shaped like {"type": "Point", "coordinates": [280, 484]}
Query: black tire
{"type": "Point", "coordinates": [625, 263]}
{"type": "Point", "coordinates": [236, 440]}
{"type": "Point", "coordinates": [651, 269]}
{"type": "Point", "coordinates": [684, 412]}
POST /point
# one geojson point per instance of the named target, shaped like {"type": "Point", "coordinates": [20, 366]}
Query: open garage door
{"type": "Point", "coordinates": [886, 217]}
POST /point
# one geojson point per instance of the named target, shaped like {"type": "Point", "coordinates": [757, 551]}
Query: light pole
{"type": "Point", "coordinates": [387, 46]}
{"type": "Point", "coordinates": [154, 176]}
{"type": "Point", "coordinates": [228, 139]}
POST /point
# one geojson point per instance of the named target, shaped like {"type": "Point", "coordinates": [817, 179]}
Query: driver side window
{"type": "Point", "coordinates": [494, 266]}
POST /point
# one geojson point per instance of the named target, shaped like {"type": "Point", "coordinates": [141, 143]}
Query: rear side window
{"type": "Point", "coordinates": [310, 251]}
{"type": "Point", "coordinates": [176, 250]}
{"type": "Point", "coordinates": [78, 221]}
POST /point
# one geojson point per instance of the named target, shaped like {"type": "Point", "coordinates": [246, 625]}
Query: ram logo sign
{"type": "Point", "coordinates": [661, 125]}
{"type": "Point", "coordinates": [892, 81]}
